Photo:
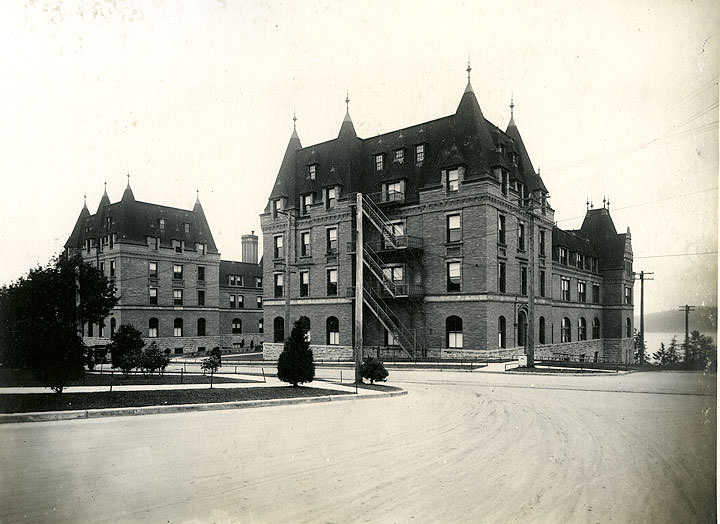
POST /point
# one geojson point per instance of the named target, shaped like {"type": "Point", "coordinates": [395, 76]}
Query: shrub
{"type": "Point", "coordinates": [215, 352]}
{"type": "Point", "coordinates": [296, 364]}
{"type": "Point", "coordinates": [210, 364]}
{"type": "Point", "coordinates": [153, 359]}
{"type": "Point", "coordinates": [373, 370]}
{"type": "Point", "coordinates": [126, 348]}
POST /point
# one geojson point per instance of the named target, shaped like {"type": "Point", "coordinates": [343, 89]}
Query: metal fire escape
{"type": "Point", "coordinates": [378, 287]}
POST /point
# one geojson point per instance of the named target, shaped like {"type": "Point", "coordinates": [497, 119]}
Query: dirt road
{"type": "Point", "coordinates": [460, 447]}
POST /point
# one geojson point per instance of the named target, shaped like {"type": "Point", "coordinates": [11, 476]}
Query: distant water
{"type": "Point", "coordinates": [654, 338]}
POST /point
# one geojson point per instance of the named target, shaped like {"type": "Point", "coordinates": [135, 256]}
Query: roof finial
{"type": "Point", "coordinates": [85, 199]}
{"type": "Point", "coordinates": [587, 204]}
{"type": "Point", "coordinates": [197, 193]}
{"type": "Point", "coordinates": [512, 104]}
{"type": "Point", "coordinates": [592, 206]}
{"type": "Point", "coordinates": [347, 101]}
{"type": "Point", "coordinates": [294, 120]}
{"type": "Point", "coordinates": [608, 204]}
{"type": "Point", "coordinates": [604, 201]}
{"type": "Point", "coordinates": [468, 68]}
{"type": "Point", "coordinates": [105, 184]}
{"type": "Point", "coordinates": [128, 177]}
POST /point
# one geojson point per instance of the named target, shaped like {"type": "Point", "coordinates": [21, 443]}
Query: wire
{"type": "Point", "coordinates": [676, 254]}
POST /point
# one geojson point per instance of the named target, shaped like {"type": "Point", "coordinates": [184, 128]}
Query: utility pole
{"type": "Point", "coordinates": [642, 277]}
{"type": "Point", "coordinates": [530, 332]}
{"type": "Point", "coordinates": [78, 324]}
{"type": "Point", "coordinates": [687, 309]}
{"type": "Point", "coordinates": [359, 275]}
{"type": "Point", "coordinates": [286, 283]}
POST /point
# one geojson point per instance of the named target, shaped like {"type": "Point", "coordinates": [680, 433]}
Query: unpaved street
{"type": "Point", "coordinates": [460, 447]}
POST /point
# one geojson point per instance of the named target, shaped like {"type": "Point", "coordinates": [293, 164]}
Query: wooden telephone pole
{"type": "Point", "coordinates": [687, 309]}
{"type": "Point", "coordinates": [359, 268]}
{"type": "Point", "coordinates": [642, 277]}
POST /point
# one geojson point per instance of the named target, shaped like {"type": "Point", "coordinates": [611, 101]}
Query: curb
{"type": "Point", "coordinates": [51, 416]}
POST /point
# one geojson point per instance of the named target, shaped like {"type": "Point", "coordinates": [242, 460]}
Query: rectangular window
{"type": "Point", "coordinates": [177, 271]}
{"type": "Point", "coordinates": [504, 182]}
{"type": "Point", "coordinates": [304, 283]}
{"type": "Point", "coordinates": [542, 283]}
{"type": "Point", "coordinates": [112, 268]}
{"type": "Point", "coordinates": [395, 191]}
{"type": "Point", "coordinates": [179, 245]}
{"type": "Point", "coordinates": [399, 155]}
{"type": "Point", "coordinates": [277, 206]}
{"type": "Point", "coordinates": [186, 228]}
{"type": "Point", "coordinates": [278, 285]}
{"type": "Point", "coordinates": [312, 171]}
{"type": "Point", "coordinates": [278, 251]}
{"type": "Point", "coordinates": [201, 273]}
{"type": "Point", "coordinates": [152, 331]}
{"type": "Point", "coordinates": [501, 277]}
{"type": "Point", "coordinates": [177, 297]}
{"type": "Point", "coordinates": [201, 248]}
{"type": "Point", "coordinates": [240, 280]}
{"type": "Point", "coordinates": [305, 202]}
{"type": "Point", "coordinates": [232, 302]}
{"type": "Point", "coordinates": [305, 247]}
{"type": "Point", "coordinates": [258, 281]}
{"type": "Point", "coordinates": [231, 280]}
{"type": "Point", "coordinates": [161, 224]}
{"type": "Point", "coordinates": [241, 301]}
{"type": "Point", "coordinates": [153, 296]}
{"type": "Point", "coordinates": [330, 197]}
{"type": "Point", "coordinates": [201, 297]}
{"type": "Point", "coordinates": [332, 242]}
{"type": "Point", "coordinates": [454, 228]}
{"type": "Point", "coordinates": [419, 153]}
{"type": "Point", "coordinates": [177, 332]}
{"type": "Point", "coordinates": [521, 236]}
{"type": "Point", "coordinates": [581, 287]}
{"type": "Point", "coordinates": [501, 229]}
{"type": "Point", "coordinates": [454, 276]}
{"type": "Point", "coordinates": [453, 179]}
{"type": "Point", "coordinates": [102, 267]}
{"type": "Point", "coordinates": [332, 282]}
{"type": "Point", "coordinates": [563, 255]}
{"type": "Point", "coordinates": [379, 162]}
{"type": "Point", "coordinates": [542, 243]}
{"type": "Point", "coordinates": [579, 260]}
{"type": "Point", "coordinates": [628, 295]}
{"type": "Point", "coordinates": [152, 269]}
{"type": "Point", "coordinates": [596, 293]}
{"type": "Point", "coordinates": [390, 339]}
{"type": "Point", "coordinates": [259, 302]}
{"type": "Point", "coordinates": [523, 280]}
{"type": "Point", "coordinates": [565, 288]}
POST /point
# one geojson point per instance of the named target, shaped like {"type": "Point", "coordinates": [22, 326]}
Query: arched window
{"type": "Point", "coordinates": [333, 331]}
{"type": "Point", "coordinates": [178, 327]}
{"type": "Point", "coordinates": [522, 323]}
{"type": "Point", "coordinates": [201, 327]}
{"type": "Point", "coordinates": [236, 326]}
{"type": "Point", "coordinates": [596, 328]}
{"type": "Point", "coordinates": [260, 325]}
{"type": "Point", "coordinates": [582, 329]}
{"type": "Point", "coordinates": [541, 330]}
{"type": "Point", "coordinates": [565, 335]}
{"type": "Point", "coordinates": [153, 325]}
{"type": "Point", "coordinates": [453, 332]}
{"type": "Point", "coordinates": [279, 329]}
{"type": "Point", "coordinates": [628, 327]}
{"type": "Point", "coordinates": [113, 323]}
{"type": "Point", "coordinates": [502, 343]}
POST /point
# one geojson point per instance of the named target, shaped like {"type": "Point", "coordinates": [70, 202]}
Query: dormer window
{"type": "Point", "coordinates": [419, 153]}
{"type": "Point", "coordinates": [513, 158]}
{"type": "Point", "coordinates": [331, 194]}
{"type": "Point", "coordinates": [305, 202]}
{"type": "Point", "coordinates": [108, 222]}
{"type": "Point", "coordinates": [453, 180]}
{"type": "Point", "coordinates": [563, 255]}
{"type": "Point", "coordinates": [161, 224]}
{"type": "Point", "coordinates": [395, 191]}
{"type": "Point", "coordinates": [499, 148]}
{"type": "Point", "coordinates": [399, 155]}
{"type": "Point", "coordinates": [312, 171]}
{"type": "Point", "coordinates": [186, 228]}
{"type": "Point", "coordinates": [277, 205]}
{"type": "Point", "coordinates": [201, 248]}
{"type": "Point", "coordinates": [379, 162]}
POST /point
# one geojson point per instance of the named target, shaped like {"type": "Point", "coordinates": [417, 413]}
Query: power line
{"type": "Point", "coordinates": [677, 254]}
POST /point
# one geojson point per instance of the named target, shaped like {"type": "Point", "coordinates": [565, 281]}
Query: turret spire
{"type": "Point", "coordinates": [512, 111]}
{"type": "Point", "coordinates": [347, 107]}
{"type": "Point", "coordinates": [128, 194]}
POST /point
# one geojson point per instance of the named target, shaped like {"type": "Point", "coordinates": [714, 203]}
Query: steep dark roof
{"type": "Point", "coordinates": [463, 138]}
{"type": "Point", "coordinates": [132, 221]}
{"type": "Point", "coordinates": [248, 270]}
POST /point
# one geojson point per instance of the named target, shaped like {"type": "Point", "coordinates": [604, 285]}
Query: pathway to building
{"type": "Point", "coordinates": [459, 447]}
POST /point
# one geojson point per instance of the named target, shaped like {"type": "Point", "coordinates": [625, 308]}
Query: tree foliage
{"type": "Point", "coordinates": [126, 348]}
{"type": "Point", "coordinates": [296, 364]}
{"type": "Point", "coordinates": [210, 365]}
{"type": "Point", "coordinates": [39, 318]}
{"type": "Point", "coordinates": [373, 370]}
{"type": "Point", "coordinates": [667, 356]}
{"type": "Point", "coordinates": [152, 359]}
{"type": "Point", "coordinates": [700, 352]}
{"type": "Point", "coordinates": [640, 347]}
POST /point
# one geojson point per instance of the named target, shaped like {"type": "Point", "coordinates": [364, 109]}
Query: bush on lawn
{"type": "Point", "coordinates": [153, 359]}
{"type": "Point", "coordinates": [373, 370]}
{"type": "Point", "coordinates": [210, 364]}
{"type": "Point", "coordinates": [296, 364]}
{"type": "Point", "coordinates": [126, 348]}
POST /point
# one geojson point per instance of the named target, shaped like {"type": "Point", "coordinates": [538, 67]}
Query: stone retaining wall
{"type": "Point", "coordinates": [272, 350]}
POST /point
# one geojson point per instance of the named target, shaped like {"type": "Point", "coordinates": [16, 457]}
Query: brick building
{"type": "Point", "coordinates": [171, 283]}
{"type": "Point", "coordinates": [458, 246]}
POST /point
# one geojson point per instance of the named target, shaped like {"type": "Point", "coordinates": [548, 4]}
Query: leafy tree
{"type": "Point", "coordinates": [210, 365]}
{"type": "Point", "coordinates": [39, 318]}
{"type": "Point", "coordinates": [296, 364]}
{"type": "Point", "coordinates": [667, 356]}
{"type": "Point", "coordinates": [215, 352]}
{"type": "Point", "coordinates": [373, 370]}
{"type": "Point", "coordinates": [126, 348]}
{"type": "Point", "coordinates": [152, 359]}
{"type": "Point", "coordinates": [700, 352]}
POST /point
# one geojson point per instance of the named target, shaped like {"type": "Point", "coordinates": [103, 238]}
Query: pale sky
{"type": "Point", "coordinates": [612, 98]}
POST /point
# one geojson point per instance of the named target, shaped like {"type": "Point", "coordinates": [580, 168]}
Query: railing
{"type": "Point", "coordinates": [387, 197]}
{"type": "Point", "coordinates": [400, 242]}
{"type": "Point", "coordinates": [379, 220]}
{"type": "Point", "coordinates": [403, 336]}
{"type": "Point", "coordinates": [374, 264]}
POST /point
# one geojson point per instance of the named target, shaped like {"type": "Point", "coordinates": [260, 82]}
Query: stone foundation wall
{"type": "Point", "coordinates": [575, 350]}
{"type": "Point", "coordinates": [246, 339]}
{"type": "Point", "coordinates": [272, 350]}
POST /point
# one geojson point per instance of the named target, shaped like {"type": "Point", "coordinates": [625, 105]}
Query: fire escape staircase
{"type": "Point", "coordinates": [380, 284]}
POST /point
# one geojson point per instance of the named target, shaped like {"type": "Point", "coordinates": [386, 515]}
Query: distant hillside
{"type": "Point", "coordinates": [703, 319]}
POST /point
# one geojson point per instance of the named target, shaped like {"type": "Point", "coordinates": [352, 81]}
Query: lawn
{"type": "Point", "coordinates": [31, 402]}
